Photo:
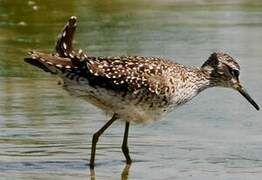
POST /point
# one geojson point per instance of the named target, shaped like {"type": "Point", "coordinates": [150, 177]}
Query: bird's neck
{"type": "Point", "coordinates": [201, 79]}
{"type": "Point", "coordinates": [192, 81]}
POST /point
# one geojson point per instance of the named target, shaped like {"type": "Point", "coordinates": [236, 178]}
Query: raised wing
{"type": "Point", "coordinates": [64, 44]}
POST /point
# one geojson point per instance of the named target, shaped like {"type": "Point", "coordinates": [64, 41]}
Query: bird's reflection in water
{"type": "Point", "coordinates": [124, 174]}
{"type": "Point", "coordinates": [92, 174]}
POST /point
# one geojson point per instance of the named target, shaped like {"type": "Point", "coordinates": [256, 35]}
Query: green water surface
{"type": "Point", "coordinates": [46, 134]}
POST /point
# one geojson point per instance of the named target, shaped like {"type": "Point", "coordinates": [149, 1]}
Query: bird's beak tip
{"type": "Point", "coordinates": [244, 93]}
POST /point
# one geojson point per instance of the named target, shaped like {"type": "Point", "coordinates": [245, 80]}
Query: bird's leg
{"type": "Point", "coordinates": [96, 137]}
{"type": "Point", "coordinates": [125, 146]}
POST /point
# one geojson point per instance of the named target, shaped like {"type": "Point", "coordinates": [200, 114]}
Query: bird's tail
{"type": "Point", "coordinates": [66, 56]}
{"type": "Point", "coordinates": [49, 62]}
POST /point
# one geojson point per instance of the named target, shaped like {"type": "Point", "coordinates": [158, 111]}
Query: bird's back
{"type": "Point", "coordinates": [137, 88]}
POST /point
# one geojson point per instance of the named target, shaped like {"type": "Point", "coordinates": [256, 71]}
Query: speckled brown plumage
{"type": "Point", "coordinates": [150, 85]}
{"type": "Point", "coordinates": [133, 88]}
{"type": "Point", "coordinates": [64, 44]}
{"type": "Point", "coordinates": [154, 85]}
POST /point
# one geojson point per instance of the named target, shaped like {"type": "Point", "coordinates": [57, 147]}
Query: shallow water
{"type": "Point", "coordinates": [46, 134]}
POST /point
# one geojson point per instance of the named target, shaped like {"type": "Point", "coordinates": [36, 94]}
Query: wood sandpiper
{"type": "Point", "coordinates": [133, 88]}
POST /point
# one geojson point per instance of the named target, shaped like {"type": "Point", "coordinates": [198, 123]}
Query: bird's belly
{"type": "Point", "coordinates": [125, 104]}
{"type": "Point", "coordinates": [140, 114]}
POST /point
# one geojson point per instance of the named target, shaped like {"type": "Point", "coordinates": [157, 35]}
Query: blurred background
{"type": "Point", "coordinates": [46, 134]}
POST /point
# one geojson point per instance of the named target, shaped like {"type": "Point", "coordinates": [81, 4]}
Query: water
{"type": "Point", "coordinates": [46, 134]}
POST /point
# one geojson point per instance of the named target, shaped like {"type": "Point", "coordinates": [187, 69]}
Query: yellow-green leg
{"type": "Point", "coordinates": [125, 145]}
{"type": "Point", "coordinates": [96, 137]}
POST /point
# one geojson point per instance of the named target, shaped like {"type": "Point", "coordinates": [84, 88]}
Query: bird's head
{"type": "Point", "coordinates": [224, 71]}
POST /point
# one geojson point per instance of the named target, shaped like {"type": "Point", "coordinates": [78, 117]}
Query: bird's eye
{"type": "Point", "coordinates": [235, 73]}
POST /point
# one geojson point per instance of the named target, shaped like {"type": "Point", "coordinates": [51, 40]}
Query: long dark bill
{"type": "Point", "coordinates": [247, 96]}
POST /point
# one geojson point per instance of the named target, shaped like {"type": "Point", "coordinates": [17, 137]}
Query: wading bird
{"type": "Point", "coordinates": [133, 88]}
